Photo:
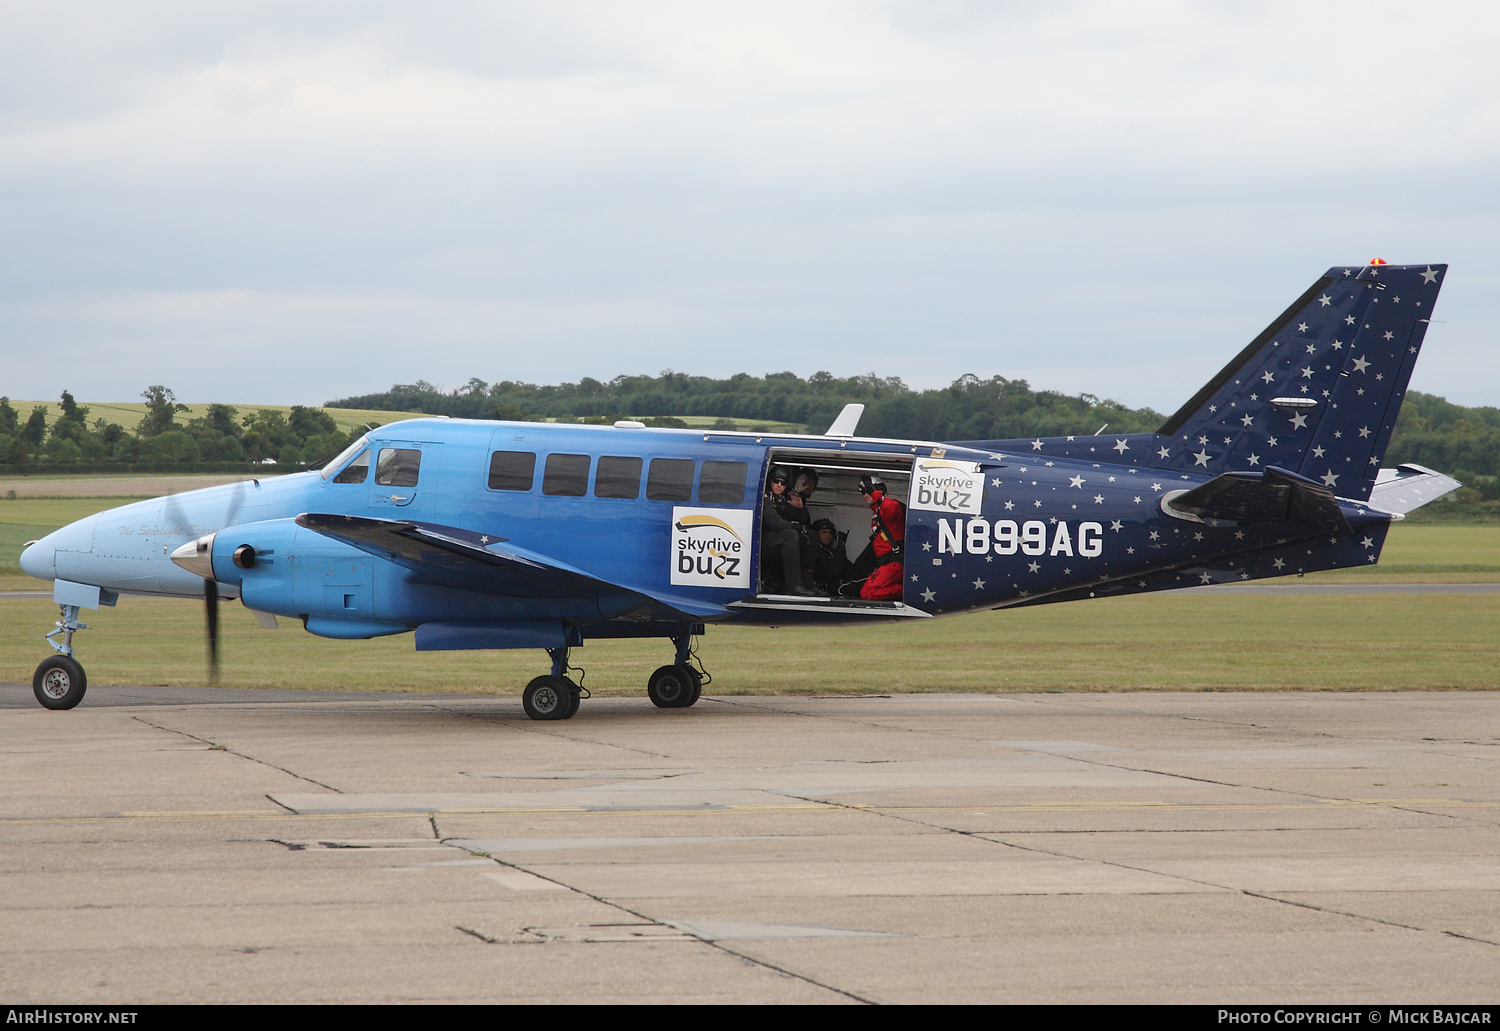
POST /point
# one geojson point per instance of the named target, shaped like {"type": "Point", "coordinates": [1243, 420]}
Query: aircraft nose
{"type": "Point", "coordinates": [39, 559]}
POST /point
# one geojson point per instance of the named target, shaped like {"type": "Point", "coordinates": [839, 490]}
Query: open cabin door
{"type": "Point", "coordinates": [829, 481]}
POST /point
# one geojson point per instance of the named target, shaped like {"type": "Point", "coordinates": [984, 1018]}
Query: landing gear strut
{"type": "Point", "coordinates": [59, 682]}
{"type": "Point", "coordinates": [679, 685]}
{"type": "Point", "coordinates": [554, 696]}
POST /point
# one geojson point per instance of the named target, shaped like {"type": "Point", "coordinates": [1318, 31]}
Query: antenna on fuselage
{"type": "Point", "coordinates": [844, 425]}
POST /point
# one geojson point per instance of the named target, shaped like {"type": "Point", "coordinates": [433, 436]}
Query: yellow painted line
{"type": "Point", "coordinates": [767, 808]}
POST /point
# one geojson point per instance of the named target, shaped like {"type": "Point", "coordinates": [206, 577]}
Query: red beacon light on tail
{"type": "Point", "coordinates": [1378, 261]}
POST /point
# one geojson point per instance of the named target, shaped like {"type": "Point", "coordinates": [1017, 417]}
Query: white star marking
{"type": "Point", "coordinates": [1301, 327]}
{"type": "Point", "coordinates": [1009, 505]}
{"type": "Point", "coordinates": [1349, 319]}
{"type": "Point", "coordinates": [1116, 525]}
{"type": "Point", "coordinates": [1364, 431]}
{"type": "Point", "coordinates": [1389, 335]}
{"type": "Point", "coordinates": [1279, 564]}
{"type": "Point", "coordinates": [1429, 276]}
{"type": "Point", "coordinates": [1330, 478]}
{"type": "Point", "coordinates": [928, 595]}
{"type": "Point", "coordinates": [1368, 542]}
{"type": "Point", "coordinates": [1325, 300]}
{"type": "Point", "coordinates": [1318, 452]}
{"type": "Point", "coordinates": [978, 585]}
{"type": "Point", "coordinates": [1156, 486]}
{"type": "Point", "coordinates": [1033, 567]}
{"type": "Point", "coordinates": [1076, 481]}
{"type": "Point", "coordinates": [1121, 446]}
{"type": "Point", "coordinates": [1204, 577]}
{"type": "Point", "coordinates": [1254, 459]}
{"type": "Point", "coordinates": [1306, 373]}
{"type": "Point", "coordinates": [1098, 499]}
{"type": "Point", "coordinates": [1163, 453]}
{"type": "Point", "coordinates": [1360, 365]}
{"type": "Point", "coordinates": [1268, 377]}
{"type": "Point", "coordinates": [1299, 422]}
{"type": "Point", "coordinates": [1036, 445]}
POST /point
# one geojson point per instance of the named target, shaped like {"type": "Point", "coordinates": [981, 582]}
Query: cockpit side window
{"type": "Point", "coordinates": [343, 456]}
{"type": "Point", "coordinates": [356, 471]}
{"type": "Point", "coordinates": [398, 467]}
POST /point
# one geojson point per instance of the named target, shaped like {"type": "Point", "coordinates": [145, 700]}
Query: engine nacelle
{"type": "Point", "coordinates": [281, 568]}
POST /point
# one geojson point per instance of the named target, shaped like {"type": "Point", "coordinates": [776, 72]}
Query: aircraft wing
{"type": "Point", "coordinates": [1274, 496]}
{"type": "Point", "coordinates": [478, 562]}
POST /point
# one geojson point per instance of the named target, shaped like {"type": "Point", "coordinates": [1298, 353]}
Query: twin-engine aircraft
{"type": "Point", "coordinates": [526, 535]}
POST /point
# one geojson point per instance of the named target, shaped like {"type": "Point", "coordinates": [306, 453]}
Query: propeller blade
{"type": "Point", "coordinates": [211, 620]}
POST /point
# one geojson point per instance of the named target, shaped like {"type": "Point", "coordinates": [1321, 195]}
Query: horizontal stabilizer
{"type": "Point", "coordinates": [1274, 496]}
{"type": "Point", "coordinates": [1409, 487]}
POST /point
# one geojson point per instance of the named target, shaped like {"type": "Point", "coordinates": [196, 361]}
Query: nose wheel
{"type": "Point", "coordinates": [59, 682]}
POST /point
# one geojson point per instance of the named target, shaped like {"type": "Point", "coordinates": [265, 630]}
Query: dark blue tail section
{"type": "Point", "coordinates": [1317, 392]}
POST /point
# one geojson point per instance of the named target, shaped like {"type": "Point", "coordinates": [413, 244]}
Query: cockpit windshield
{"type": "Point", "coordinates": [344, 456]}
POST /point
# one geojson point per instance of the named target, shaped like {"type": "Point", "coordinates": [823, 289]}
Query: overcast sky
{"type": "Point", "coordinates": [290, 202]}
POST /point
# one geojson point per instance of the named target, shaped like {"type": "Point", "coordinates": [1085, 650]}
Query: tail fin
{"type": "Point", "coordinates": [1319, 390]}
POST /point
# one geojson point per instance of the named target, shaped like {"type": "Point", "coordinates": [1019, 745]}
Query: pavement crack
{"type": "Point", "coordinates": [230, 751]}
{"type": "Point", "coordinates": [716, 945]}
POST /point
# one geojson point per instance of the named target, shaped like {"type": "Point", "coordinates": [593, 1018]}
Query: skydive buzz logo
{"type": "Point", "coordinates": [709, 548]}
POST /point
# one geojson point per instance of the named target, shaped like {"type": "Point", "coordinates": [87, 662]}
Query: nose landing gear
{"type": "Point", "coordinates": [59, 682]}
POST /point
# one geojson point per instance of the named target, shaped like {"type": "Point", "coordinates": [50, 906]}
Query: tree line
{"type": "Point", "coordinates": [1464, 442]}
{"type": "Point", "coordinates": [221, 436]}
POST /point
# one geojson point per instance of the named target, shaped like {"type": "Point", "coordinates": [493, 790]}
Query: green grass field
{"type": "Point", "coordinates": [1178, 642]}
{"type": "Point", "coordinates": [1163, 642]}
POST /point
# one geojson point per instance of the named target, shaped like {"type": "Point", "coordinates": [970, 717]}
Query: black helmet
{"type": "Point", "coordinates": [780, 475]}
{"type": "Point", "coordinates": [824, 524]}
{"type": "Point", "coordinates": [870, 484]}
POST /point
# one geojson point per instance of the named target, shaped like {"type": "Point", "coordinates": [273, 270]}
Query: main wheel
{"type": "Point", "coordinates": [59, 682]}
{"type": "Point", "coordinates": [671, 687]}
{"type": "Point", "coordinates": [549, 698]}
{"type": "Point", "coordinates": [575, 693]}
{"type": "Point", "coordinates": [696, 679]}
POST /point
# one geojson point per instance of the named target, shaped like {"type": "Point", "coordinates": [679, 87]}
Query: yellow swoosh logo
{"type": "Point", "coordinates": [693, 522]}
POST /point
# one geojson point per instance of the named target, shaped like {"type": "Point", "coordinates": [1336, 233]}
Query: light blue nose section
{"type": "Point", "coordinates": [40, 560]}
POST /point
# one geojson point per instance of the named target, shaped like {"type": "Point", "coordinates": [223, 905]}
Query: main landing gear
{"type": "Point", "coordinates": [59, 682]}
{"type": "Point", "coordinates": [676, 686]}
{"type": "Point", "coordinates": [555, 697]}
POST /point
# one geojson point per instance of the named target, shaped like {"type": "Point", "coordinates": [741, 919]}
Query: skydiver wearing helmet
{"type": "Point", "coordinates": [880, 564]}
{"type": "Point", "coordinates": [782, 513]}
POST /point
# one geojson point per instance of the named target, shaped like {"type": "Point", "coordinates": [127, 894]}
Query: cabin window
{"type": "Point", "coordinates": [618, 477]}
{"type": "Point", "coordinates": [398, 467]}
{"type": "Point", "coordinates": [671, 479]}
{"type": "Point", "coordinates": [512, 470]}
{"type": "Point", "coordinates": [722, 483]}
{"type": "Point", "coordinates": [567, 475]}
{"type": "Point", "coordinates": [356, 471]}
